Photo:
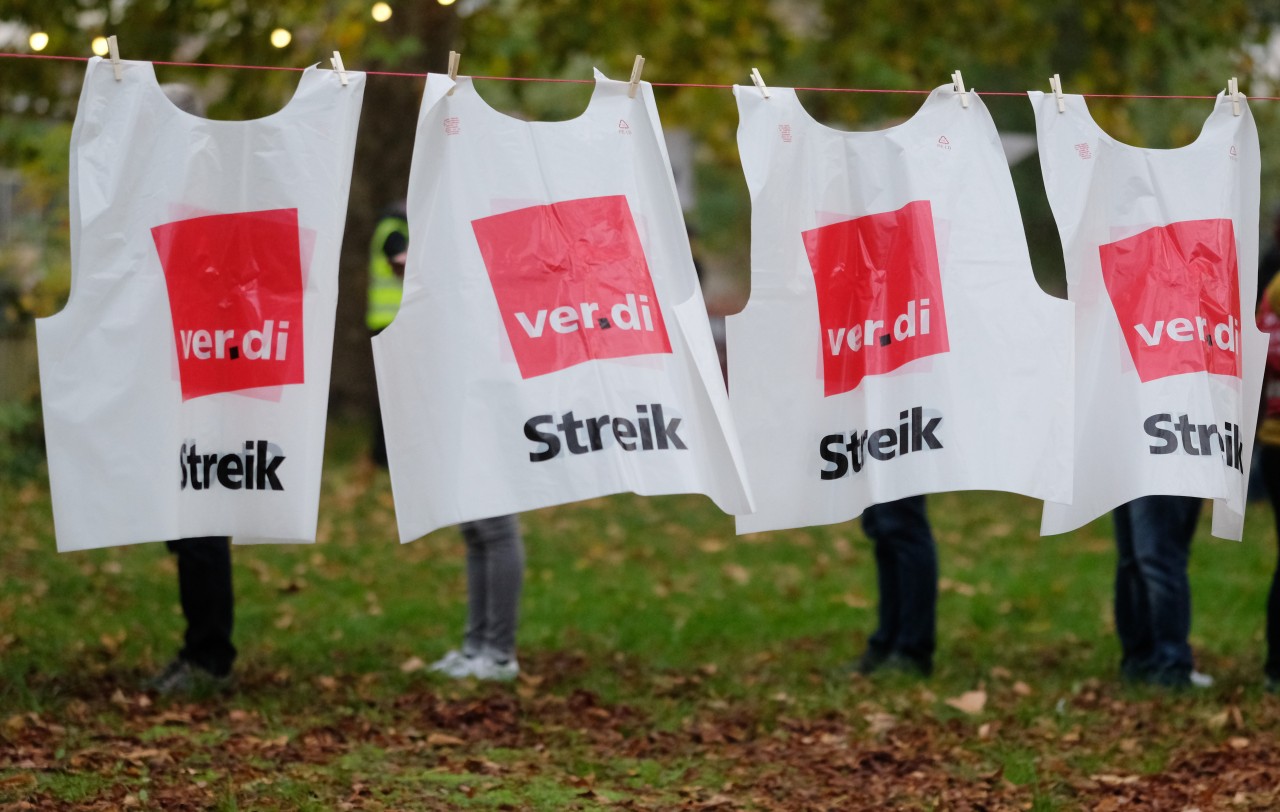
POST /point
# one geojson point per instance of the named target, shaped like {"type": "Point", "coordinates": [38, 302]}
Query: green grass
{"type": "Point", "coordinates": [668, 663]}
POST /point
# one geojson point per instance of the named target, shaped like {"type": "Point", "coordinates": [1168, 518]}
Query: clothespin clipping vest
{"type": "Point", "coordinates": [336, 61]}
{"type": "Point", "coordinates": [759, 82]}
{"type": "Point", "coordinates": [636, 70]}
{"type": "Point", "coordinates": [958, 83]}
{"type": "Point", "coordinates": [454, 58]}
{"type": "Point", "coordinates": [1055, 84]}
{"type": "Point", "coordinates": [114, 50]}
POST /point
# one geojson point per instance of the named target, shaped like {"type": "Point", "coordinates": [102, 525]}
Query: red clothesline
{"type": "Point", "coordinates": [654, 84]}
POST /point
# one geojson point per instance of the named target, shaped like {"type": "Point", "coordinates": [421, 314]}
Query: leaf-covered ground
{"type": "Point", "coordinates": [666, 664]}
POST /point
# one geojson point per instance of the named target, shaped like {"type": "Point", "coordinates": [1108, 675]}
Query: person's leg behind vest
{"type": "Point", "coordinates": [907, 574]}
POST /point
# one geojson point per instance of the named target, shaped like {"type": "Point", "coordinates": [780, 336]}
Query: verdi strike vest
{"type": "Point", "coordinates": [552, 344]}
{"type": "Point", "coordinates": [1161, 249]}
{"type": "Point", "coordinates": [185, 384]}
{"type": "Point", "coordinates": [896, 342]}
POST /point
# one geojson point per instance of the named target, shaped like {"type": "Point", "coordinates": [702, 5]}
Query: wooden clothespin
{"type": "Point", "coordinates": [636, 70]}
{"type": "Point", "coordinates": [759, 82]}
{"type": "Point", "coordinates": [1056, 84]}
{"type": "Point", "coordinates": [336, 61]}
{"type": "Point", "coordinates": [114, 50]}
{"type": "Point", "coordinates": [454, 58]}
{"type": "Point", "coordinates": [1233, 87]}
{"type": "Point", "coordinates": [958, 83]}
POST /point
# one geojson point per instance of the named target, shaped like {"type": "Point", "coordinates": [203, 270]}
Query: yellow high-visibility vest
{"type": "Point", "coordinates": [385, 288]}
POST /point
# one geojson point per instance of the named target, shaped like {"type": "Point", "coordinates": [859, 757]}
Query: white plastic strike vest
{"type": "Point", "coordinates": [1161, 249]}
{"type": "Point", "coordinates": [185, 384]}
{"type": "Point", "coordinates": [896, 342]}
{"type": "Point", "coordinates": [552, 344]}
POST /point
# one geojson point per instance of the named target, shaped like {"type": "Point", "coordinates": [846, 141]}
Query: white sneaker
{"type": "Point", "coordinates": [488, 668]}
{"type": "Point", "coordinates": [456, 664]}
{"type": "Point", "coordinates": [460, 665]}
{"type": "Point", "coordinates": [1201, 680]}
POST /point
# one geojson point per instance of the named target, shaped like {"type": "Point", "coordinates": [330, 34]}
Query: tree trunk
{"type": "Point", "coordinates": [380, 177]}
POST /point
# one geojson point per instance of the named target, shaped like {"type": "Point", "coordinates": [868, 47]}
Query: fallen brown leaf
{"type": "Point", "coordinates": [412, 664]}
{"type": "Point", "coordinates": [958, 587]}
{"type": "Point", "coordinates": [881, 722]}
{"type": "Point", "coordinates": [1110, 780]}
{"type": "Point", "coordinates": [854, 601]}
{"type": "Point", "coordinates": [22, 782]}
{"type": "Point", "coordinates": [970, 702]}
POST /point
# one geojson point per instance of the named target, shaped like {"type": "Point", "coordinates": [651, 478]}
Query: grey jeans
{"type": "Point", "coordinates": [495, 573]}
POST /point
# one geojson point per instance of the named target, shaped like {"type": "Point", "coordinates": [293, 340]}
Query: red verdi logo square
{"type": "Point", "coordinates": [1176, 292]}
{"type": "Point", "coordinates": [879, 294]}
{"type": "Point", "coordinates": [235, 296]}
{"type": "Point", "coordinates": [572, 283]}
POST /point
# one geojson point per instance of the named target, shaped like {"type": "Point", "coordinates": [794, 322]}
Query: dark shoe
{"type": "Point", "coordinates": [1175, 678]}
{"type": "Point", "coordinates": [1272, 685]}
{"type": "Point", "coordinates": [874, 661]}
{"type": "Point", "coordinates": [183, 678]}
{"type": "Point", "coordinates": [871, 661]}
{"type": "Point", "coordinates": [910, 666]}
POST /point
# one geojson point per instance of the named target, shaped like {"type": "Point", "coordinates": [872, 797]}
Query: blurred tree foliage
{"type": "Point", "coordinates": [1118, 46]}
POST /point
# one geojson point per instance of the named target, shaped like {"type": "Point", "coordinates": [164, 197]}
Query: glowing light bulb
{"type": "Point", "coordinates": [38, 41]}
{"type": "Point", "coordinates": [381, 12]}
{"type": "Point", "coordinates": [281, 37]}
{"type": "Point", "coordinates": [100, 46]}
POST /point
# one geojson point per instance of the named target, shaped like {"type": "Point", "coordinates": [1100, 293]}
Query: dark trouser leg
{"type": "Point", "coordinates": [1131, 610]}
{"type": "Point", "coordinates": [1161, 529]}
{"type": "Point", "coordinates": [208, 604]}
{"type": "Point", "coordinates": [379, 450]}
{"type": "Point", "coordinates": [1271, 476]}
{"type": "Point", "coordinates": [907, 574]}
{"type": "Point", "coordinates": [495, 575]}
{"type": "Point", "coordinates": [887, 609]}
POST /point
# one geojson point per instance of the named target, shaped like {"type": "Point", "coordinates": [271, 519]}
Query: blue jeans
{"type": "Point", "coordinates": [1153, 595]}
{"type": "Point", "coordinates": [907, 575]}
